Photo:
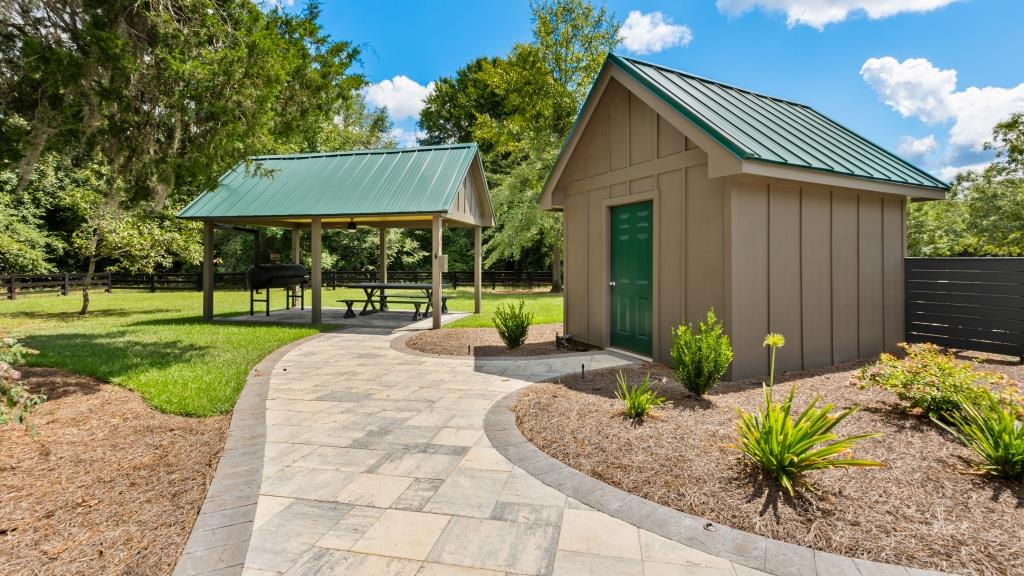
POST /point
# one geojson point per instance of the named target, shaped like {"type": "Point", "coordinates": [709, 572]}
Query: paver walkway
{"type": "Point", "coordinates": [376, 464]}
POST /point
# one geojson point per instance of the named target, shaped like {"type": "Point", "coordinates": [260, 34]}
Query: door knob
{"type": "Point", "coordinates": [612, 283]}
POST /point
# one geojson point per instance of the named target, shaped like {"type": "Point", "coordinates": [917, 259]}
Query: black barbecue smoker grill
{"type": "Point", "coordinates": [260, 278]}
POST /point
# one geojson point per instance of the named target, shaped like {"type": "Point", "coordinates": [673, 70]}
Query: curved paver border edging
{"type": "Point", "coordinates": [220, 536]}
{"type": "Point", "coordinates": [751, 550]}
{"type": "Point", "coordinates": [399, 345]}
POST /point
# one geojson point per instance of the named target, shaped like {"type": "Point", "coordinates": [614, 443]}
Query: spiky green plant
{"type": "Point", "coordinates": [513, 323]}
{"type": "Point", "coordinates": [788, 448]}
{"type": "Point", "coordinates": [701, 357]}
{"type": "Point", "coordinates": [637, 399]}
{"type": "Point", "coordinates": [993, 431]}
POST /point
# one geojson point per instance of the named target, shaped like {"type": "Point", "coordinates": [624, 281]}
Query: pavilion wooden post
{"type": "Point", "coordinates": [382, 255]}
{"type": "Point", "coordinates": [296, 259]}
{"type": "Point", "coordinates": [435, 276]}
{"type": "Point", "coordinates": [208, 270]}
{"type": "Point", "coordinates": [478, 269]}
{"type": "Point", "coordinates": [314, 273]}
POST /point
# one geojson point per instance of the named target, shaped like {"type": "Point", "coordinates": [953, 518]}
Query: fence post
{"type": "Point", "coordinates": [529, 280]}
{"type": "Point", "coordinates": [66, 286]}
{"type": "Point", "coordinates": [152, 282]}
{"type": "Point", "coordinates": [110, 282]}
{"type": "Point", "coordinates": [199, 281]}
{"type": "Point", "coordinates": [11, 290]}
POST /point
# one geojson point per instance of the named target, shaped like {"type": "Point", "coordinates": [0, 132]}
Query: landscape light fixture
{"type": "Point", "coordinates": [351, 224]}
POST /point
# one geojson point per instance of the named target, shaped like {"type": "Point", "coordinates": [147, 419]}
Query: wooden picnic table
{"type": "Point", "coordinates": [376, 292]}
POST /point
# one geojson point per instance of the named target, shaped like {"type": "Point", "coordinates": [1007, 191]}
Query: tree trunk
{"type": "Point", "coordinates": [556, 270]}
{"type": "Point", "coordinates": [87, 281]}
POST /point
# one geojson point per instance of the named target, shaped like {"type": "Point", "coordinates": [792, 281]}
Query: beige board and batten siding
{"type": "Point", "coordinates": [821, 266]}
{"type": "Point", "coordinates": [470, 207]}
{"type": "Point", "coordinates": [628, 153]}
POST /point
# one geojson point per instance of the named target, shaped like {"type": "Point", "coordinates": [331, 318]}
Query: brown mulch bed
{"type": "Point", "coordinates": [486, 342]}
{"type": "Point", "coordinates": [107, 486]}
{"type": "Point", "coordinates": [926, 508]}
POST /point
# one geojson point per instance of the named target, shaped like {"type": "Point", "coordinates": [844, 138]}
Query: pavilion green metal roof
{"type": "Point", "coordinates": [358, 183]}
{"type": "Point", "coordinates": [757, 127]}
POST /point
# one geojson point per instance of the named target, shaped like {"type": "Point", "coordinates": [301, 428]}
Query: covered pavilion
{"type": "Point", "coordinates": [426, 187]}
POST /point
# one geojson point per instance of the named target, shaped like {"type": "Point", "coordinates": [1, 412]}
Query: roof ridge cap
{"type": "Point", "coordinates": [367, 151]}
{"type": "Point", "coordinates": [711, 81]}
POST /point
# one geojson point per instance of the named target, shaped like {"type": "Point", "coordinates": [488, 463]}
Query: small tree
{"type": "Point", "coordinates": [702, 357]}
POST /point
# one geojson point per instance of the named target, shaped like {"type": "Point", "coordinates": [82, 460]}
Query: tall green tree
{"type": "Point", "coordinates": [163, 96]}
{"type": "Point", "coordinates": [984, 213]}
{"type": "Point", "coordinates": [519, 108]}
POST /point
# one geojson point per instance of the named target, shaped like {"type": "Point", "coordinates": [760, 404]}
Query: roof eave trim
{"type": "Point", "coordinates": [817, 176]}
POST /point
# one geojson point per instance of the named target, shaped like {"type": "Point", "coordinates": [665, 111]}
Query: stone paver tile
{"type": "Point", "coordinates": [656, 548]}
{"type": "Point", "coordinates": [474, 420]}
{"type": "Point", "coordinates": [374, 490]}
{"type": "Point", "coordinates": [457, 436]}
{"type": "Point", "coordinates": [417, 494]}
{"type": "Point", "coordinates": [269, 470]}
{"type": "Point", "coordinates": [666, 569]}
{"type": "Point", "coordinates": [598, 533]}
{"type": "Point", "coordinates": [324, 562]}
{"type": "Point", "coordinates": [468, 492]}
{"type": "Point", "coordinates": [581, 564]}
{"type": "Point", "coordinates": [292, 405]}
{"type": "Point", "coordinates": [402, 534]}
{"type": "Point", "coordinates": [211, 559]}
{"type": "Point", "coordinates": [431, 569]}
{"type": "Point", "coordinates": [267, 506]}
{"type": "Point", "coordinates": [418, 465]}
{"type": "Point", "coordinates": [410, 434]}
{"type": "Point", "coordinates": [340, 458]}
{"type": "Point", "coordinates": [742, 570]}
{"type": "Point", "coordinates": [283, 453]}
{"type": "Point", "coordinates": [222, 518]}
{"type": "Point", "coordinates": [486, 458]}
{"type": "Point", "coordinates": [350, 529]}
{"type": "Point", "coordinates": [290, 533]}
{"type": "Point", "coordinates": [525, 489]}
{"type": "Point", "coordinates": [529, 513]}
{"type": "Point", "coordinates": [496, 545]}
{"type": "Point", "coordinates": [308, 483]}
{"type": "Point", "coordinates": [431, 417]}
{"type": "Point", "coordinates": [255, 572]}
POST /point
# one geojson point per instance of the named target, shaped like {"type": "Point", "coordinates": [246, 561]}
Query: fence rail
{"type": "Point", "coordinates": [969, 303]}
{"type": "Point", "coordinates": [13, 285]}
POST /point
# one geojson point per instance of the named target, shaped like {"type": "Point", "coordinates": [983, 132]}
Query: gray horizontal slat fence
{"type": "Point", "coordinates": [63, 283]}
{"type": "Point", "coordinates": [967, 303]}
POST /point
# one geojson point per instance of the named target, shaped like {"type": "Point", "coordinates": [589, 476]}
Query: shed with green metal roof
{"type": "Point", "coordinates": [682, 194]}
{"type": "Point", "coordinates": [425, 187]}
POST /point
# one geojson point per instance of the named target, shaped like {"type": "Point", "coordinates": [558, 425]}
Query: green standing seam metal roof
{"type": "Point", "coordinates": [757, 127]}
{"type": "Point", "coordinates": [421, 180]}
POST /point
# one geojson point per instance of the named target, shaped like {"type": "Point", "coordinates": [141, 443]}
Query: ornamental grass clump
{"type": "Point", "coordinates": [788, 448]}
{"type": "Point", "coordinates": [637, 399]}
{"type": "Point", "coordinates": [935, 382]}
{"type": "Point", "coordinates": [513, 323]}
{"type": "Point", "coordinates": [701, 357]}
{"type": "Point", "coordinates": [994, 431]}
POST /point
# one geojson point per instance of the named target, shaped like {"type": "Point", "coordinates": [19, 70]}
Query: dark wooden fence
{"type": "Point", "coordinates": [969, 303]}
{"type": "Point", "coordinates": [63, 283]}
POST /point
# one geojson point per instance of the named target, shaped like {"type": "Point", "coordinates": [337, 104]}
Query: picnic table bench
{"type": "Point", "coordinates": [376, 298]}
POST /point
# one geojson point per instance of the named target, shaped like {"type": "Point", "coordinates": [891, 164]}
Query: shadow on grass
{"type": "Point", "coordinates": [73, 314]}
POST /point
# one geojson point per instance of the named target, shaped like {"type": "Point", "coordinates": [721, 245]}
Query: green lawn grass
{"type": "Point", "coordinates": [157, 344]}
{"type": "Point", "coordinates": [546, 307]}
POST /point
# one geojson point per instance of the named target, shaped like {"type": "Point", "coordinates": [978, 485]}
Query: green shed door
{"type": "Point", "coordinates": [632, 272]}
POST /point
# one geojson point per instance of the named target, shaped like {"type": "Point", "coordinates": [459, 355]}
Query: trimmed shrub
{"type": "Point", "coordinates": [637, 399]}
{"type": "Point", "coordinates": [513, 323]}
{"type": "Point", "coordinates": [701, 357]}
{"type": "Point", "coordinates": [932, 380]}
{"type": "Point", "coordinates": [993, 430]}
{"type": "Point", "coordinates": [16, 402]}
{"type": "Point", "coordinates": [787, 447]}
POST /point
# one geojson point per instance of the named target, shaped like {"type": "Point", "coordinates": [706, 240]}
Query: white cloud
{"type": "Point", "coordinates": [402, 96]}
{"type": "Point", "coordinates": [652, 32]}
{"type": "Point", "coordinates": [406, 138]}
{"type": "Point", "coordinates": [917, 147]}
{"type": "Point", "coordinates": [819, 13]}
{"type": "Point", "coordinates": [916, 88]}
{"type": "Point", "coordinates": [947, 173]}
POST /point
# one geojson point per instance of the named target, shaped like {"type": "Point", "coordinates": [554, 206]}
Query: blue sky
{"type": "Point", "coordinates": [926, 78]}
